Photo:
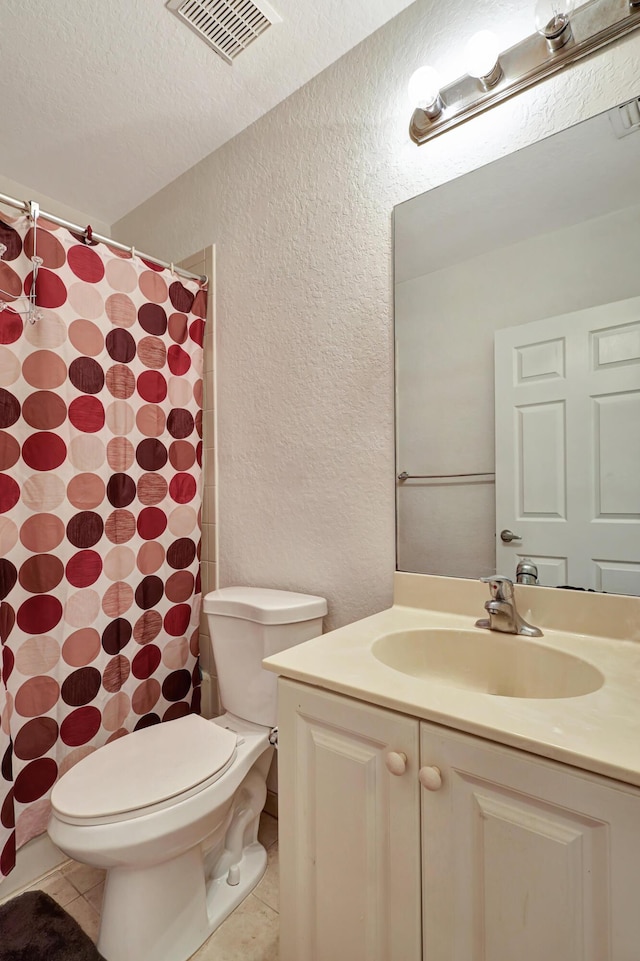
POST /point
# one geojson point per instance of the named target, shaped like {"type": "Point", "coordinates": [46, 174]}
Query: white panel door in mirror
{"type": "Point", "coordinates": [567, 423]}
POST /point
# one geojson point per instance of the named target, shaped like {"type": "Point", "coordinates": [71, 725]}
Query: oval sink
{"type": "Point", "coordinates": [487, 662]}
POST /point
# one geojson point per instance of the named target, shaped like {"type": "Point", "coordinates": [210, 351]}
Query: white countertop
{"type": "Point", "coordinates": [599, 732]}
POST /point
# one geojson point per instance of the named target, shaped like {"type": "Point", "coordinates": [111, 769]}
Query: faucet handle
{"type": "Point", "coordinates": [501, 587]}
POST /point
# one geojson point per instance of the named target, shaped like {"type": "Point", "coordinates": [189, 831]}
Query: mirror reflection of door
{"type": "Point", "coordinates": [567, 421]}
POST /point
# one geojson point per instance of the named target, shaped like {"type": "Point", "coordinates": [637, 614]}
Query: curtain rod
{"type": "Point", "coordinates": [76, 228]}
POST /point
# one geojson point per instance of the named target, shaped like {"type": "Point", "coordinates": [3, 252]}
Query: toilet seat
{"type": "Point", "coordinates": [137, 775]}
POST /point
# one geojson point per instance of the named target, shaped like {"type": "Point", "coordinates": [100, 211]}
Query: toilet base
{"type": "Point", "coordinates": [223, 898]}
{"type": "Point", "coordinates": [166, 911]}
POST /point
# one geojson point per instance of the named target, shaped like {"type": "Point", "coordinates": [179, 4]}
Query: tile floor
{"type": "Point", "coordinates": [250, 933]}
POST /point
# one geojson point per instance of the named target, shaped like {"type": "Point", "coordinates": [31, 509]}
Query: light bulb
{"type": "Point", "coordinates": [552, 21]}
{"type": "Point", "coordinates": [481, 57]}
{"type": "Point", "coordinates": [424, 91]}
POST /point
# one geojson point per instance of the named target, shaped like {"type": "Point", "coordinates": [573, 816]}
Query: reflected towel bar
{"type": "Point", "coordinates": [404, 476]}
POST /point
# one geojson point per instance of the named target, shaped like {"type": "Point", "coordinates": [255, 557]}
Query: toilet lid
{"type": "Point", "coordinates": [144, 769]}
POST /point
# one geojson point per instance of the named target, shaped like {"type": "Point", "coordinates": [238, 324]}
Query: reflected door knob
{"type": "Point", "coordinates": [430, 778]}
{"type": "Point", "coordinates": [506, 536]}
{"type": "Point", "coordinates": [396, 762]}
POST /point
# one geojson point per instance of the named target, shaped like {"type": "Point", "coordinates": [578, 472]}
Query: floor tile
{"type": "Point", "coordinates": [86, 916]}
{"type": "Point", "coordinates": [249, 934]}
{"type": "Point", "coordinates": [58, 888]}
{"type": "Point", "coordinates": [83, 876]}
{"type": "Point", "coordinates": [268, 889]}
{"type": "Point", "coordinates": [94, 896]}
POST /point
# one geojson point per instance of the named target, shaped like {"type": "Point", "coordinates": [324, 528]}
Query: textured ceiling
{"type": "Point", "coordinates": [104, 102]}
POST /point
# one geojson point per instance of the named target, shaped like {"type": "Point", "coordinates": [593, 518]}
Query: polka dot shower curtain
{"type": "Point", "coordinates": [100, 460]}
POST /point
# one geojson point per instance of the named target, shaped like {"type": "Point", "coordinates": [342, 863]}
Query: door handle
{"type": "Point", "coordinates": [506, 536]}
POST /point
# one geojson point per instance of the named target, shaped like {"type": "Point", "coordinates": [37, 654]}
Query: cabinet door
{"type": "Point", "coordinates": [349, 830]}
{"type": "Point", "coordinates": [525, 859]}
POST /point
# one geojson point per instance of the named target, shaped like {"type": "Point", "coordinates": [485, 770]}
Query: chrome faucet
{"type": "Point", "coordinates": [526, 572]}
{"type": "Point", "coordinates": [502, 611]}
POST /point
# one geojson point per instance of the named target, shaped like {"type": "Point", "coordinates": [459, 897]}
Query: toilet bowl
{"type": "Point", "coordinates": [172, 811]}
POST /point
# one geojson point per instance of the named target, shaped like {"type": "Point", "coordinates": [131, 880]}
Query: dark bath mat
{"type": "Point", "coordinates": [34, 928]}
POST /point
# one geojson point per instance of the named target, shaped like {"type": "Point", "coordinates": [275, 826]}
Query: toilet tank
{"type": "Point", "coordinates": [247, 624]}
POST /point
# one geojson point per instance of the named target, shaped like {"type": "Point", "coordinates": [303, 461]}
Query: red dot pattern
{"type": "Point", "coordinates": [100, 475]}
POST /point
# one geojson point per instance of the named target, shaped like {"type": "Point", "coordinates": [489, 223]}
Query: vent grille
{"type": "Point", "coordinates": [229, 26]}
{"type": "Point", "coordinates": [625, 119]}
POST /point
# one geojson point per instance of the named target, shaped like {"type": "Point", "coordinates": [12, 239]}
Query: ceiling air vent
{"type": "Point", "coordinates": [625, 119]}
{"type": "Point", "coordinates": [229, 26]}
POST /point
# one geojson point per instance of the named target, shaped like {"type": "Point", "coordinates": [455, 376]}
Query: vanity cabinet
{"type": "Point", "coordinates": [349, 838]}
{"type": "Point", "coordinates": [501, 855]}
{"type": "Point", "coordinates": [525, 859]}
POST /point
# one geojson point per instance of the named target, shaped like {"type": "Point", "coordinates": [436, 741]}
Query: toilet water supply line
{"type": "Point", "coordinates": [254, 790]}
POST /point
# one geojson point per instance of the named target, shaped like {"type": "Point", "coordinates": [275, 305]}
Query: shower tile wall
{"type": "Point", "coordinates": [203, 262]}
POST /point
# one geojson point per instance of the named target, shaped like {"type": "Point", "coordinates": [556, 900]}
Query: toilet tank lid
{"type": "Point", "coordinates": [263, 605]}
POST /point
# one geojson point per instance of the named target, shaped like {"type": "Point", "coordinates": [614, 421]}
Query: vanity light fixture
{"type": "Point", "coordinates": [553, 22]}
{"type": "Point", "coordinates": [564, 36]}
{"type": "Point", "coordinates": [424, 91]}
{"type": "Point", "coordinates": [482, 59]}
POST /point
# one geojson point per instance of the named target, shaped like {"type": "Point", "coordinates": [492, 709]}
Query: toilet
{"type": "Point", "coordinates": [172, 811]}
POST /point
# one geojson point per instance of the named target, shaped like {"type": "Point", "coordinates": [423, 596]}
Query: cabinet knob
{"type": "Point", "coordinates": [430, 777]}
{"type": "Point", "coordinates": [396, 762]}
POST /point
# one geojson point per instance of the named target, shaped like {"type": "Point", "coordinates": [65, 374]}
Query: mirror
{"type": "Point", "coordinates": [517, 312]}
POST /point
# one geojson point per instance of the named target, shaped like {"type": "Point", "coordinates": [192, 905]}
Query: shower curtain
{"type": "Point", "coordinates": [100, 464]}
